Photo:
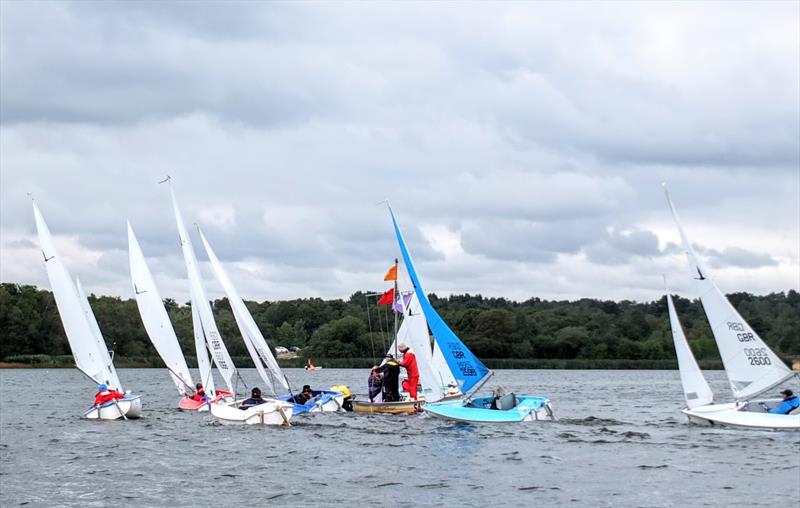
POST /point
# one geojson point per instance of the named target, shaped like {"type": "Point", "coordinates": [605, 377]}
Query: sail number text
{"type": "Point", "coordinates": [757, 356]}
{"type": "Point", "coordinates": [743, 335]}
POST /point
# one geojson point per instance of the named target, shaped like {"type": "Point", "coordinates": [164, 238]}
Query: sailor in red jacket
{"type": "Point", "coordinates": [105, 395]}
{"type": "Point", "coordinates": [409, 362]}
{"type": "Point", "coordinates": [199, 394]}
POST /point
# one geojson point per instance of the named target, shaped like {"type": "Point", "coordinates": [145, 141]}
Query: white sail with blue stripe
{"type": "Point", "coordinates": [466, 368]}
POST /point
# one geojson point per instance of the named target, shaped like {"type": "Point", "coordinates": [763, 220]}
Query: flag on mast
{"type": "Point", "coordinates": [387, 298]}
{"type": "Point", "coordinates": [391, 274]}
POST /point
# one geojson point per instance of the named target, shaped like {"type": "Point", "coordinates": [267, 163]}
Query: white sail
{"type": "Point", "coordinates": [91, 361]}
{"type": "Point", "coordinates": [200, 302]}
{"type": "Point", "coordinates": [414, 333]}
{"type": "Point", "coordinates": [203, 363]}
{"type": "Point", "coordinates": [752, 367]}
{"type": "Point", "coordinates": [253, 339]}
{"type": "Point", "coordinates": [154, 316]}
{"type": "Point", "coordinates": [441, 369]}
{"type": "Point", "coordinates": [695, 388]}
{"type": "Point", "coordinates": [111, 372]}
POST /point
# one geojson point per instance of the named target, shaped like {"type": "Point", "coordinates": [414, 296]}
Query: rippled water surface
{"type": "Point", "coordinates": [619, 441]}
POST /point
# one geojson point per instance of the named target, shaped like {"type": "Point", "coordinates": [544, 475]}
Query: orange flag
{"type": "Point", "coordinates": [391, 274]}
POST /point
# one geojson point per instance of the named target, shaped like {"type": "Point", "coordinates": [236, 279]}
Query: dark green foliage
{"type": "Point", "coordinates": [588, 333]}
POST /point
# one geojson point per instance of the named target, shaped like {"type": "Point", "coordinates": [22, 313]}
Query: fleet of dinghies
{"type": "Point", "coordinates": [753, 369]}
{"type": "Point", "coordinates": [450, 375]}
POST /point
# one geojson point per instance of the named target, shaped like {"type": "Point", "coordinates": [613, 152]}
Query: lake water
{"type": "Point", "coordinates": [619, 441]}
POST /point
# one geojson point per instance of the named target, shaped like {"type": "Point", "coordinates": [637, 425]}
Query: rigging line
{"type": "Point", "coordinates": [369, 322]}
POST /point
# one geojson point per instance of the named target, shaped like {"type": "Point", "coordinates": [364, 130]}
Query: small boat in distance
{"type": "Point", "coordinates": [83, 333]}
{"type": "Point", "coordinates": [469, 372]}
{"type": "Point", "coordinates": [753, 369]}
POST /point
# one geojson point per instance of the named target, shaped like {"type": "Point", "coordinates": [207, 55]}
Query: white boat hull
{"type": "Point", "coordinates": [743, 416]}
{"type": "Point", "coordinates": [272, 412]}
{"type": "Point", "coordinates": [130, 406]}
{"type": "Point", "coordinates": [334, 404]}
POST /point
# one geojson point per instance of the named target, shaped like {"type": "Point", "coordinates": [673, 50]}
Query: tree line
{"type": "Point", "coordinates": [585, 330]}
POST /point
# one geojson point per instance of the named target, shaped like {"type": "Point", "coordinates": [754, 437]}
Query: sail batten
{"type": "Point", "coordinates": [467, 369]}
{"type": "Point", "coordinates": [751, 366]}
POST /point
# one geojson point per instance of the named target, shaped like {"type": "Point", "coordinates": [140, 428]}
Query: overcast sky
{"type": "Point", "coordinates": [522, 145]}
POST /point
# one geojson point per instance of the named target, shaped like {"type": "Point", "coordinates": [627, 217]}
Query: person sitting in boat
{"type": "Point", "coordinates": [375, 386]}
{"type": "Point", "coordinates": [310, 364]}
{"type": "Point", "coordinates": [304, 396]}
{"type": "Point", "coordinates": [200, 393]}
{"type": "Point", "coordinates": [390, 371]}
{"type": "Point", "coordinates": [409, 362]}
{"type": "Point", "coordinates": [789, 403]}
{"type": "Point", "coordinates": [254, 400]}
{"type": "Point", "coordinates": [104, 394]}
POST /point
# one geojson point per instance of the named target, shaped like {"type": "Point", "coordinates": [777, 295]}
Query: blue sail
{"type": "Point", "coordinates": [464, 365]}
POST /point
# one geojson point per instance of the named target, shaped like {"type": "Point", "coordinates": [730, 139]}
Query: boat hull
{"type": "Point", "coordinates": [189, 404]}
{"type": "Point", "coordinates": [527, 409]}
{"type": "Point", "coordinates": [272, 412]}
{"type": "Point", "coordinates": [325, 401]}
{"type": "Point", "coordinates": [130, 407]}
{"type": "Point", "coordinates": [743, 416]}
{"type": "Point", "coordinates": [401, 407]}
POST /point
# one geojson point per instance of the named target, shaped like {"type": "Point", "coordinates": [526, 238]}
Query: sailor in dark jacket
{"type": "Point", "coordinates": [254, 400]}
{"type": "Point", "coordinates": [391, 376]}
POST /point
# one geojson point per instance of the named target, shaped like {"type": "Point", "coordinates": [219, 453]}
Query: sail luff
{"type": "Point", "coordinates": [257, 345]}
{"type": "Point", "coordinates": [219, 353]}
{"type": "Point", "coordinates": [154, 316]}
{"type": "Point", "coordinates": [751, 366]}
{"type": "Point", "coordinates": [110, 373]}
{"type": "Point", "coordinates": [695, 387]}
{"type": "Point", "coordinates": [414, 333]}
{"type": "Point", "coordinates": [76, 327]}
{"type": "Point", "coordinates": [201, 350]}
{"type": "Point", "coordinates": [465, 366]}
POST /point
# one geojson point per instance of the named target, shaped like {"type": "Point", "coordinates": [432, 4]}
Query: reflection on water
{"type": "Point", "coordinates": [619, 441]}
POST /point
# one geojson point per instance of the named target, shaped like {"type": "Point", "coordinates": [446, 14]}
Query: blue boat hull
{"type": "Point", "coordinates": [323, 401]}
{"type": "Point", "coordinates": [528, 408]}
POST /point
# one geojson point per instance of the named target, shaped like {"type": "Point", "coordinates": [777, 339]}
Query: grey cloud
{"type": "Point", "coordinates": [619, 246]}
{"type": "Point", "coordinates": [738, 257]}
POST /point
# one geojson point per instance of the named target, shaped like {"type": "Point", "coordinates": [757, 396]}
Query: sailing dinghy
{"type": "Point", "coordinates": [83, 334]}
{"type": "Point", "coordinates": [227, 410]}
{"type": "Point", "coordinates": [159, 329]}
{"type": "Point", "coordinates": [268, 369]}
{"type": "Point", "coordinates": [469, 372]}
{"type": "Point", "coordinates": [751, 366]}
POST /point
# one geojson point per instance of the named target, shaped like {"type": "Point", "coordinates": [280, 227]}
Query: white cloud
{"type": "Point", "coordinates": [521, 145]}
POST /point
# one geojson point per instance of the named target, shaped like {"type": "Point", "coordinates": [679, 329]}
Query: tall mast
{"type": "Point", "coordinates": [394, 311]}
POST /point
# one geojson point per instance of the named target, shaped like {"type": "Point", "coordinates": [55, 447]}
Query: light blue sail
{"type": "Point", "coordinates": [464, 365]}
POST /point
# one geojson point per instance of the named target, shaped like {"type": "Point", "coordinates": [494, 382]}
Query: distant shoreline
{"type": "Point", "coordinates": [65, 362]}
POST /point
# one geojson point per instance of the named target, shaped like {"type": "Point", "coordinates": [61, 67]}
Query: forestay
{"type": "Point", "coordinates": [91, 361]}
{"type": "Point", "coordinates": [414, 333]}
{"type": "Point", "coordinates": [253, 339]}
{"type": "Point", "coordinates": [203, 363]}
{"type": "Point", "coordinates": [695, 388]}
{"type": "Point", "coordinates": [752, 367]}
{"type": "Point", "coordinates": [154, 316]}
{"type": "Point", "coordinates": [465, 366]}
{"type": "Point", "coordinates": [200, 302]}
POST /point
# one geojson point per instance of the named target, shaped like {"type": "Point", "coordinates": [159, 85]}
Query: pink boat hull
{"type": "Point", "coordinates": [189, 404]}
